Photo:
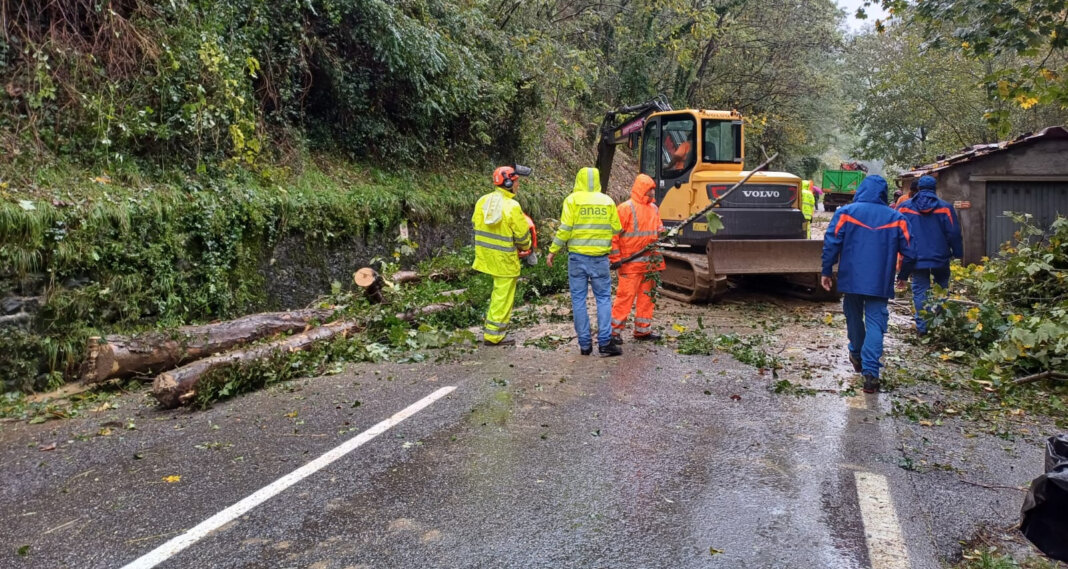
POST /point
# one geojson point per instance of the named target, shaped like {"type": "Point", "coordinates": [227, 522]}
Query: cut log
{"type": "Point", "coordinates": [405, 277]}
{"type": "Point", "coordinates": [371, 282]}
{"type": "Point", "coordinates": [178, 386]}
{"type": "Point", "coordinates": [413, 313]}
{"type": "Point", "coordinates": [119, 356]}
{"type": "Point", "coordinates": [401, 277]}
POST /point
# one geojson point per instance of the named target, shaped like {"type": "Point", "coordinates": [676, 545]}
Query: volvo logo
{"type": "Point", "coordinates": [760, 194]}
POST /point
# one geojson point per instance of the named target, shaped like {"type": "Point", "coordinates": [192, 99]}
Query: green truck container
{"type": "Point", "coordinates": [839, 186]}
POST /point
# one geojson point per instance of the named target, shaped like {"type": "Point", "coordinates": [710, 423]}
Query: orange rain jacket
{"type": "Point", "coordinates": [641, 226]}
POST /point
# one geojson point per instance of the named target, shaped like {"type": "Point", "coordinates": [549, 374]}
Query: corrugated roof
{"type": "Point", "coordinates": [978, 151]}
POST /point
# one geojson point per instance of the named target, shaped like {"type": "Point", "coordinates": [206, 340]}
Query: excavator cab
{"type": "Point", "coordinates": [694, 156]}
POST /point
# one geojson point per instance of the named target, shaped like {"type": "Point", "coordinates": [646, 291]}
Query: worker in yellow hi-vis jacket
{"type": "Point", "coordinates": [808, 206]}
{"type": "Point", "coordinates": [501, 233]}
{"type": "Point", "coordinates": [588, 221]}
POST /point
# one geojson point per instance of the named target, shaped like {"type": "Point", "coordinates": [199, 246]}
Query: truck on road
{"type": "Point", "coordinates": [839, 186]}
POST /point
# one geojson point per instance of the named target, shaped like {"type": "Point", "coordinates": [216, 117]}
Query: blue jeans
{"type": "Point", "coordinates": [866, 318]}
{"type": "Point", "coordinates": [921, 283]}
{"type": "Point", "coordinates": [582, 272]}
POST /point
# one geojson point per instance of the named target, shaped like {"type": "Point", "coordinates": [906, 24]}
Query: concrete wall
{"type": "Point", "coordinates": [1041, 158]}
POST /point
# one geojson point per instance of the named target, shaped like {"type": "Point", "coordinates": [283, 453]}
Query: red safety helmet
{"type": "Point", "coordinates": [505, 177]}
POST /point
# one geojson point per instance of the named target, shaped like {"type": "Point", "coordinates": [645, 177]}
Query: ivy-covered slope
{"type": "Point", "coordinates": [105, 258]}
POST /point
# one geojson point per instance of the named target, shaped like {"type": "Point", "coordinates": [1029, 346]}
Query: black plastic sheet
{"type": "Point", "coordinates": [1044, 517]}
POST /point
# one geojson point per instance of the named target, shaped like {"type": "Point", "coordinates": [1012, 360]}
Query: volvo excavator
{"type": "Point", "coordinates": [696, 156]}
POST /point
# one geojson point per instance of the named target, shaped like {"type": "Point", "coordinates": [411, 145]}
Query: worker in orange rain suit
{"type": "Point", "coordinates": [641, 223]}
{"type": "Point", "coordinates": [501, 233]}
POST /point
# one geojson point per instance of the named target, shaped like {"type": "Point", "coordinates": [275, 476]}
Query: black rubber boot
{"type": "Point", "coordinates": [610, 350]}
{"type": "Point", "coordinates": [856, 363]}
{"type": "Point", "coordinates": [871, 383]}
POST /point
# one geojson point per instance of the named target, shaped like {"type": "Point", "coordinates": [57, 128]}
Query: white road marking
{"type": "Point", "coordinates": [174, 546]}
{"type": "Point", "coordinates": [886, 544]}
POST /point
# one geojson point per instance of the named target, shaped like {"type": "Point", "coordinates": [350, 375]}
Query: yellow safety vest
{"type": "Point", "coordinates": [808, 203]}
{"type": "Point", "coordinates": [588, 220]}
{"type": "Point", "coordinates": [500, 232]}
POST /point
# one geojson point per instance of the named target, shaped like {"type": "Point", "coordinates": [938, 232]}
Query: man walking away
{"type": "Point", "coordinates": [641, 223]}
{"type": "Point", "coordinates": [501, 231]}
{"type": "Point", "coordinates": [936, 231]}
{"type": "Point", "coordinates": [587, 224]}
{"type": "Point", "coordinates": [864, 239]}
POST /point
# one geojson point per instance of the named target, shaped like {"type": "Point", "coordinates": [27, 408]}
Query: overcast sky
{"type": "Point", "coordinates": [875, 12]}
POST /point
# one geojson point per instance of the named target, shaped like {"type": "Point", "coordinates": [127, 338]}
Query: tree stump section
{"type": "Point", "coordinates": [371, 282]}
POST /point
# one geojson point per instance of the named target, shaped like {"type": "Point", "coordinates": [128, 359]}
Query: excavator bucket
{"type": "Point", "coordinates": [695, 278]}
{"type": "Point", "coordinates": [764, 256]}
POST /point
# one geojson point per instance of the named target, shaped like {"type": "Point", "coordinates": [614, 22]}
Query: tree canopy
{"type": "Point", "coordinates": [203, 82]}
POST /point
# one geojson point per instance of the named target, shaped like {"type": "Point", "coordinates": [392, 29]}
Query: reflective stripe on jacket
{"type": "Point", "coordinates": [588, 220]}
{"type": "Point", "coordinates": [497, 244]}
{"type": "Point", "coordinates": [935, 226]}
{"type": "Point", "coordinates": [641, 224]}
{"type": "Point", "coordinates": [864, 239]}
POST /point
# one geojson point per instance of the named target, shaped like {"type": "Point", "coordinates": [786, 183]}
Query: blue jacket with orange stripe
{"type": "Point", "coordinates": [935, 230]}
{"type": "Point", "coordinates": [864, 239]}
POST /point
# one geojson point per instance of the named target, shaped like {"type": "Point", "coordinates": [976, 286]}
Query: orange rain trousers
{"type": "Point", "coordinates": [633, 287]}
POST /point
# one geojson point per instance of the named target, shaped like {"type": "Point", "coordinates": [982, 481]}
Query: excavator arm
{"type": "Point", "coordinates": [620, 126]}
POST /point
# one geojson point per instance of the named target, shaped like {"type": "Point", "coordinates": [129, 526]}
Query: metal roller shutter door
{"type": "Point", "coordinates": [1043, 200]}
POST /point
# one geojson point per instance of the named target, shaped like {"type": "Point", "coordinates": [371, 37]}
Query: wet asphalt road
{"type": "Point", "coordinates": [537, 459]}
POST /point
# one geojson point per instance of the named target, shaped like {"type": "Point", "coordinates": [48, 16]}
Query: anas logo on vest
{"type": "Point", "coordinates": [593, 210]}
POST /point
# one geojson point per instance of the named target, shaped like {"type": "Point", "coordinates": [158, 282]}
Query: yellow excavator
{"type": "Point", "coordinates": [695, 156]}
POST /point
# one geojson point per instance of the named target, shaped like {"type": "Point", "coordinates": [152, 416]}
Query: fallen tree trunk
{"type": "Point", "coordinates": [125, 356]}
{"type": "Point", "coordinates": [178, 386]}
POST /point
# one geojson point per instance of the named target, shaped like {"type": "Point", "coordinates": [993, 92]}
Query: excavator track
{"type": "Point", "coordinates": [687, 278]}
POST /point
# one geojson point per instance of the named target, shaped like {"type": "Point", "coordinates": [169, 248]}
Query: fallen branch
{"type": "Point", "coordinates": [991, 486]}
{"type": "Point", "coordinates": [1040, 376]}
{"type": "Point", "coordinates": [178, 386]}
{"type": "Point", "coordinates": [124, 356]}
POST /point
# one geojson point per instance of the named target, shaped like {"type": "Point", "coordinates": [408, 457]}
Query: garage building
{"type": "Point", "coordinates": [1026, 175]}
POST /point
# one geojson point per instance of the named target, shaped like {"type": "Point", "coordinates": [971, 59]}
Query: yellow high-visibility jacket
{"type": "Point", "coordinates": [808, 203]}
{"type": "Point", "coordinates": [500, 232]}
{"type": "Point", "coordinates": [588, 220]}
